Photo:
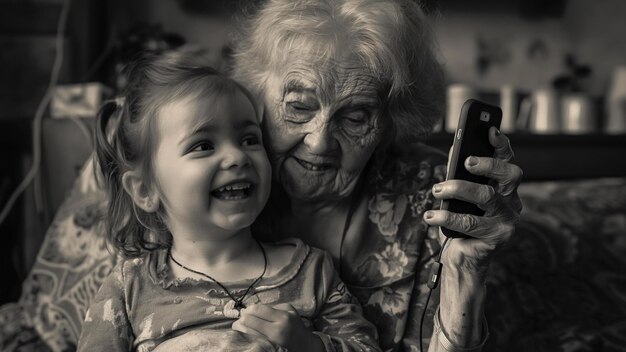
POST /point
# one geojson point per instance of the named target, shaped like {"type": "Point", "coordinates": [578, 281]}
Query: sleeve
{"type": "Point", "coordinates": [106, 326]}
{"type": "Point", "coordinates": [340, 323]}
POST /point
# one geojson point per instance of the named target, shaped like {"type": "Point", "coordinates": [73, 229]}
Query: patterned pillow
{"type": "Point", "coordinates": [73, 261]}
{"type": "Point", "coordinates": [559, 285]}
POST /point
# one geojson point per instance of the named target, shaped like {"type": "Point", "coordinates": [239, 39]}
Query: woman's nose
{"type": "Point", "coordinates": [234, 156]}
{"type": "Point", "coordinates": [320, 139]}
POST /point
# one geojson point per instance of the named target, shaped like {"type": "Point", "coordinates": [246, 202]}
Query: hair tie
{"type": "Point", "coordinates": [120, 101]}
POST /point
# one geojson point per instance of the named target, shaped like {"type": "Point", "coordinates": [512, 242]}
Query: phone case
{"type": "Point", "coordinates": [471, 138]}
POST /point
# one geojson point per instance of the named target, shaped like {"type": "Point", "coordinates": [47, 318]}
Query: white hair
{"type": "Point", "coordinates": [392, 39]}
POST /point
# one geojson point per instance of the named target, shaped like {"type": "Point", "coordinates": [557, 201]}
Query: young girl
{"type": "Point", "coordinates": [187, 175]}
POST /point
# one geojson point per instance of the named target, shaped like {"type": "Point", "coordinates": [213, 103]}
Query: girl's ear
{"type": "Point", "coordinates": [144, 196]}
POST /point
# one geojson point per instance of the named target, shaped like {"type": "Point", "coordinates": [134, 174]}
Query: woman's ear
{"type": "Point", "coordinates": [144, 196]}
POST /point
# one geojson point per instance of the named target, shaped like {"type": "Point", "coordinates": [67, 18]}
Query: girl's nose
{"type": "Point", "coordinates": [234, 156]}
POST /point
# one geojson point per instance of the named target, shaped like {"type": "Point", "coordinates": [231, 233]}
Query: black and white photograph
{"type": "Point", "coordinates": [313, 175]}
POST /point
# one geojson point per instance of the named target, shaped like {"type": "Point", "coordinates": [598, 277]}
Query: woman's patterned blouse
{"type": "Point", "coordinates": [385, 261]}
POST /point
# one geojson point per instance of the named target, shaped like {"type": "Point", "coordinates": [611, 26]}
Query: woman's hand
{"type": "Point", "coordinates": [499, 199]}
{"type": "Point", "coordinates": [466, 260]}
{"type": "Point", "coordinates": [280, 324]}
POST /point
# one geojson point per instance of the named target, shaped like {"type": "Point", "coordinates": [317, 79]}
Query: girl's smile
{"type": "Point", "coordinates": [212, 171]}
{"type": "Point", "coordinates": [237, 190]}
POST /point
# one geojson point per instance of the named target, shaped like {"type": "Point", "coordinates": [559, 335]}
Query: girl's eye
{"type": "Point", "coordinates": [250, 140]}
{"type": "Point", "coordinates": [202, 147]}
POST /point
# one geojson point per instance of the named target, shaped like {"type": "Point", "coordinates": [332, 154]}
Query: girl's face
{"type": "Point", "coordinates": [210, 167]}
{"type": "Point", "coordinates": [322, 124]}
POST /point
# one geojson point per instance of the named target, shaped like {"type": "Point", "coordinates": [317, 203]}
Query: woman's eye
{"type": "Point", "coordinates": [251, 140]}
{"type": "Point", "coordinates": [357, 117]}
{"type": "Point", "coordinates": [356, 122]}
{"type": "Point", "coordinates": [299, 112]}
{"type": "Point", "coordinates": [299, 106]}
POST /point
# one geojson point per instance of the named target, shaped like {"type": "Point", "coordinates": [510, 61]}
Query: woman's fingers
{"type": "Point", "coordinates": [489, 229]}
{"type": "Point", "coordinates": [484, 196]}
{"type": "Point", "coordinates": [501, 144]}
{"type": "Point", "coordinates": [506, 175]}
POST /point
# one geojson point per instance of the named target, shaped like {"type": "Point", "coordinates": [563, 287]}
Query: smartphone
{"type": "Point", "coordinates": [470, 138]}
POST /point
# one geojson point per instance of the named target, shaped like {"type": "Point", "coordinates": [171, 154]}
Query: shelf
{"type": "Point", "coordinates": [549, 157]}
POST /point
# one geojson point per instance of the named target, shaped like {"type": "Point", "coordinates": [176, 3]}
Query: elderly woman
{"type": "Point", "coordinates": [350, 88]}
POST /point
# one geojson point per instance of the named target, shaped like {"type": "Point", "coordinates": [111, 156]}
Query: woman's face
{"type": "Point", "coordinates": [322, 123]}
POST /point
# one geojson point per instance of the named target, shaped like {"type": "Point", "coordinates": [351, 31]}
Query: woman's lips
{"type": "Point", "coordinates": [313, 166]}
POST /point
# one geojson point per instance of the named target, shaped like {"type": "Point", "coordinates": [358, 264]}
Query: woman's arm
{"type": "Point", "coordinates": [459, 320]}
{"type": "Point", "coordinates": [466, 260]}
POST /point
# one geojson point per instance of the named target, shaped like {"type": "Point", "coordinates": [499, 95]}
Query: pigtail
{"type": "Point", "coordinates": [129, 229]}
{"type": "Point", "coordinates": [111, 163]}
{"type": "Point", "coordinates": [105, 153]}
{"type": "Point", "coordinates": [124, 135]}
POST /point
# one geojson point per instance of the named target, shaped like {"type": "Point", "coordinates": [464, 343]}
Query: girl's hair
{"type": "Point", "coordinates": [126, 136]}
{"type": "Point", "coordinates": [391, 38]}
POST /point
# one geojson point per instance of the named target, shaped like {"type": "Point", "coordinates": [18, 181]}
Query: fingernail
{"type": "Point", "coordinates": [429, 214]}
{"type": "Point", "coordinates": [472, 161]}
{"type": "Point", "coordinates": [437, 188]}
{"type": "Point", "coordinates": [497, 132]}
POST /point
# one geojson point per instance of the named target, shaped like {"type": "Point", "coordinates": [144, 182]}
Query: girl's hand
{"type": "Point", "coordinates": [280, 324]}
{"type": "Point", "coordinates": [499, 199]}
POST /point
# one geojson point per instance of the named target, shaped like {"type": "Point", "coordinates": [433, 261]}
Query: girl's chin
{"type": "Point", "coordinates": [235, 222]}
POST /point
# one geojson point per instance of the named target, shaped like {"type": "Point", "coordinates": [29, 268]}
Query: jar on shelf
{"type": "Point", "coordinates": [616, 103]}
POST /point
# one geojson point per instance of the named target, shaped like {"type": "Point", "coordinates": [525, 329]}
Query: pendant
{"type": "Point", "coordinates": [239, 305]}
{"type": "Point", "coordinates": [230, 311]}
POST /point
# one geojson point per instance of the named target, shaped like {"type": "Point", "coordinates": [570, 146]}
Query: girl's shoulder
{"type": "Point", "coordinates": [290, 256]}
{"type": "Point", "coordinates": [283, 254]}
{"type": "Point", "coordinates": [148, 265]}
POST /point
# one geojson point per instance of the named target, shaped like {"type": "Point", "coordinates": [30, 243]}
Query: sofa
{"type": "Point", "coordinates": [560, 285]}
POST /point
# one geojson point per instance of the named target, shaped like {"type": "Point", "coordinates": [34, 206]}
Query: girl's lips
{"type": "Point", "coordinates": [234, 191]}
{"type": "Point", "coordinates": [313, 167]}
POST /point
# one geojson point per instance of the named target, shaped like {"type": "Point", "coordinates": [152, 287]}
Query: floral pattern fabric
{"type": "Point", "coordinates": [385, 258]}
{"type": "Point", "coordinates": [386, 266]}
{"type": "Point", "coordinates": [558, 286]}
{"type": "Point", "coordinates": [140, 307]}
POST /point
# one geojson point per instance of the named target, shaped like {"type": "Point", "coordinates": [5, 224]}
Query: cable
{"type": "Point", "coordinates": [84, 129]}
{"type": "Point", "coordinates": [433, 280]}
{"type": "Point", "coordinates": [37, 120]}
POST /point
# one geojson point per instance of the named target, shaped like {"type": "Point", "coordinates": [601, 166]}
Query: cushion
{"type": "Point", "coordinates": [73, 261]}
{"type": "Point", "coordinates": [559, 285]}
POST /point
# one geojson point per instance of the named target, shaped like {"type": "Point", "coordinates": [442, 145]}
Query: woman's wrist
{"type": "Point", "coordinates": [462, 301]}
{"type": "Point", "coordinates": [441, 342]}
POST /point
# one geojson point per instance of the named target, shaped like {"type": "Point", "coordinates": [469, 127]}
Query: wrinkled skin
{"type": "Point", "coordinates": [499, 199]}
{"type": "Point", "coordinates": [323, 122]}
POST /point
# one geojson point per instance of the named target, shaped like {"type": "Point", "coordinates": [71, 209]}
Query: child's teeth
{"type": "Point", "coordinates": [235, 187]}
